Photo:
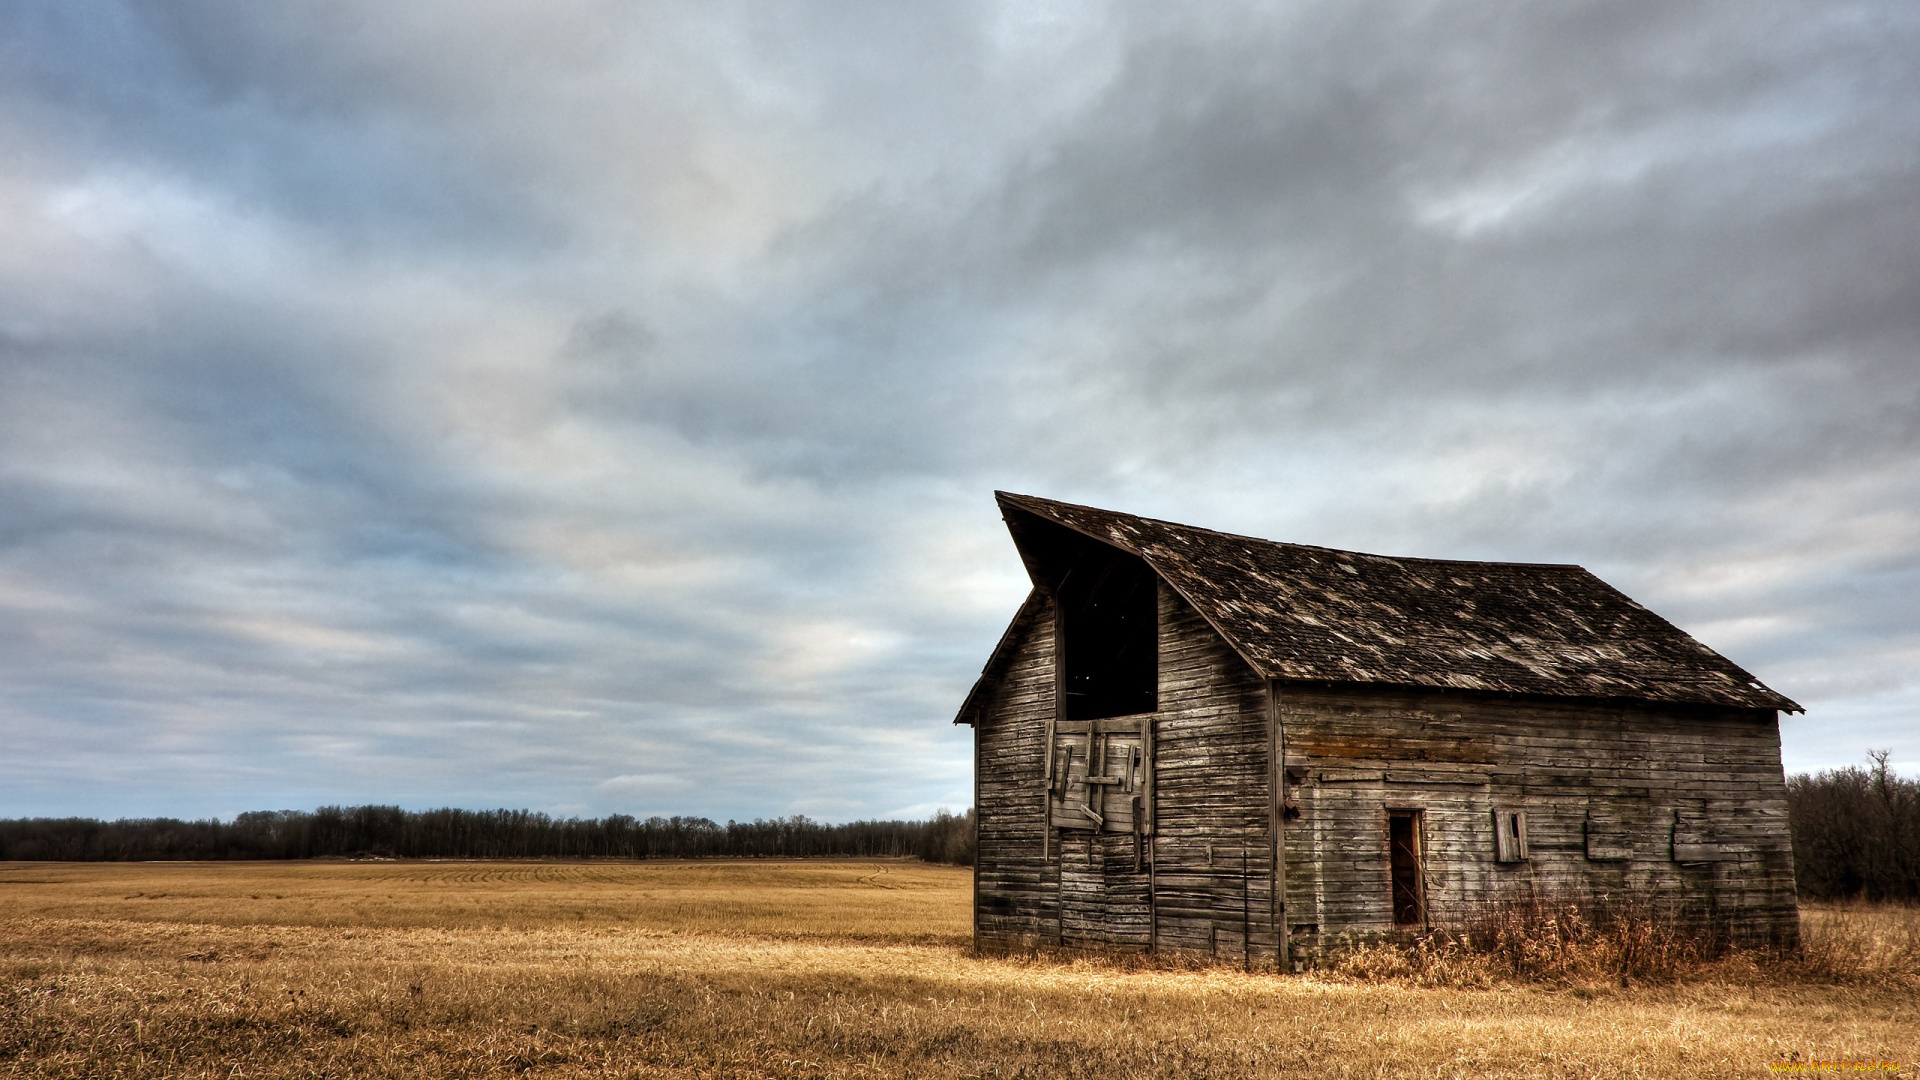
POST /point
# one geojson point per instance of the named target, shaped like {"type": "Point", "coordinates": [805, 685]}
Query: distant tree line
{"type": "Point", "coordinates": [390, 832]}
{"type": "Point", "coordinates": [1856, 833]}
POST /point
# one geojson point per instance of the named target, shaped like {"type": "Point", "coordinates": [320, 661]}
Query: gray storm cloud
{"type": "Point", "coordinates": [596, 409]}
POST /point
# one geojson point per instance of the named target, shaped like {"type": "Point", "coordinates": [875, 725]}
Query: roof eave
{"type": "Point", "coordinates": [1777, 702]}
{"type": "Point", "coordinates": [995, 668]}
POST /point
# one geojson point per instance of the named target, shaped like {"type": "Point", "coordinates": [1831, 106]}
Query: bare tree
{"type": "Point", "coordinates": [1856, 832]}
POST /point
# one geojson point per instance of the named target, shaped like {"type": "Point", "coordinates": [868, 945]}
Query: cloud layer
{"type": "Point", "coordinates": [597, 410]}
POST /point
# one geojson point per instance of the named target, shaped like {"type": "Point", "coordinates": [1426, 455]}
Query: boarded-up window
{"type": "Point", "coordinates": [1608, 834]}
{"type": "Point", "coordinates": [1102, 776]}
{"type": "Point", "coordinates": [1509, 836]}
{"type": "Point", "coordinates": [1695, 840]}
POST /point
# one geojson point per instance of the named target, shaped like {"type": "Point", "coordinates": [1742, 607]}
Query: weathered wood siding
{"type": "Point", "coordinates": [1213, 854]}
{"type": "Point", "coordinates": [1611, 794]}
{"type": "Point", "coordinates": [1678, 808]}
{"type": "Point", "coordinates": [1204, 886]}
{"type": "Point", "coordinates": [1016, 886]}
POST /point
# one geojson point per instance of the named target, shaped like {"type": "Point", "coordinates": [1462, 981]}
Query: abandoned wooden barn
{"type": "Point", "coordinates": [1194, 742]}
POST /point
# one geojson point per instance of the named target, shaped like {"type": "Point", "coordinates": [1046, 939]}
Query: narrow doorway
{"type": "Point", "coordinates": [1403, 847]}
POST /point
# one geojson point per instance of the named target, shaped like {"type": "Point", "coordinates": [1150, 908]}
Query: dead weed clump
{"type": "Point", "coordinates": [1535, 940]}
{"type": "Point", "coordinates": [1624, 944]}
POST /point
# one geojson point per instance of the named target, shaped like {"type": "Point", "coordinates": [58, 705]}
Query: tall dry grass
{"type": "Point", "coordinates": [1538, 941]}
{"type": "Point", "coordinates": [774, 970]}
{"type": "Point", "coordinates": [1854, 943]}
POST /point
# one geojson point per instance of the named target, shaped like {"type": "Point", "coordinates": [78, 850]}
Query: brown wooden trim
{"type": "Point", "coordinates": [1277, 823]}
{"type": "Point", "coordinates": [1246, 912]}
{"type": "Point", "coordinates": [1051, 844]}
{"type": "Point", "coordinates": [1420, 841]}
{"type": "Point", "coordinates": [976, 836]}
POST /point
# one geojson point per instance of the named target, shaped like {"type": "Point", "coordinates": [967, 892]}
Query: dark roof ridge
{"type": "Point", "coordinates": [1016, 496]}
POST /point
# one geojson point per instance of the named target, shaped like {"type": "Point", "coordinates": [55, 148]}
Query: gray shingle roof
{"type": "Point", "coordinates": [1317, 614]}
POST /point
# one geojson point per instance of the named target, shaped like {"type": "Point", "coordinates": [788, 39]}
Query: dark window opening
{"type": "Point", "coordinates": [1403, 845]}
{"type": "Point", "coordinates": [1110, 637]}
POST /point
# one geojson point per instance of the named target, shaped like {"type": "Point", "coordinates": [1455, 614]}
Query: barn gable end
{"type": "Point", "coordinates": [1300, 747]}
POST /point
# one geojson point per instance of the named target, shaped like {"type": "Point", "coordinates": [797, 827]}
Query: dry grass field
{"type": "Point", "coordinates": [808, 969]}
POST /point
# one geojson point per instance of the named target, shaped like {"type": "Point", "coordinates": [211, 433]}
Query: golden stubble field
{"type": "Point", "coordinates": [790, 969]}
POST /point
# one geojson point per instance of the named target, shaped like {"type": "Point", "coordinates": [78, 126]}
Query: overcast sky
{"type": "Point", "coordinates": [596, 407]}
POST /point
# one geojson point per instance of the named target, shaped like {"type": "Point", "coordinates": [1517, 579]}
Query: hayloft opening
{"type": "Point", "coordinates": [1110, 636]}
{"type": "Point", "coordinates": [1107, 604]}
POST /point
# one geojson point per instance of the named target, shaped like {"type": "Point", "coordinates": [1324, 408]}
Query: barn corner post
{"type": "Point", "coordinates": [1052, 844]}
{"type": "Point", "coordinates": [1146, 820]}
{"type": "Point", "coordinates": [1277, 824]}
{"type": "Point", "coordinates": [1785, 932]}
{"type": "Point", "coordinates": [975, 728]}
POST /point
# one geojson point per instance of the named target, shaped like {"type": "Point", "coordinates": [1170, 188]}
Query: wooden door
{"type": "Point", "coordinates": [1100, 804]}
{"type": "Point", "coordinates": [1403, 859]}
